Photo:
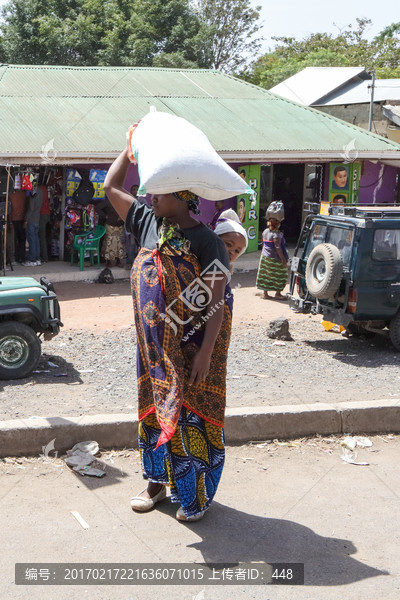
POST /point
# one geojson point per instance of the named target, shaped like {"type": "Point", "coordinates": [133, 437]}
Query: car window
{"type": "Point", "coordinates": [317, 236]}
{"type": "Point", "coordinates": [386, 244]}
{"type": "Point", "coordinates": [342, 238]}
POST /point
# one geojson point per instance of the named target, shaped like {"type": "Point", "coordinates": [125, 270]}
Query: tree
{"type": "Point", "coordinates": [347, 49]}
{"type": "Point", "coordinates": [96, 32]}
{"type": "Point", "coordinates": [387, 59]}
{"type": "Point", "coordinates": [391, 31]}
{"type": "Point", "coordinates": [2, 53]}
{"type": "Point", "coordinates": [174, 33]}
{"type": "Point", "coordinates": [226, 39]}
{"type": "Point", "coordinates": [271, 69]}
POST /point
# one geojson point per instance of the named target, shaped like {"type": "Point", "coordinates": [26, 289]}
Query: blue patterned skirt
{"type": "Point", "coordinates": [190, 463]}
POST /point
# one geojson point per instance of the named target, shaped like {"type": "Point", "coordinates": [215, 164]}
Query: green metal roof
{"type": "Point", "coordinates": [87, 110]}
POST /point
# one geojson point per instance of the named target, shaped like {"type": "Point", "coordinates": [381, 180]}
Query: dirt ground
{"type": "Point", "coordinates": [109, 307]}
{"type": "Point", "coordinates": [89, 368]}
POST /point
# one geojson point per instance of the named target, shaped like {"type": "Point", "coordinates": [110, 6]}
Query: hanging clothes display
{"type": "Point", "coordinates": [84, 188]}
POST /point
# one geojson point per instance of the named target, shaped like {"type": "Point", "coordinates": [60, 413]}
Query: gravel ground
{"type": "Point", "coordinates": [95, 372]}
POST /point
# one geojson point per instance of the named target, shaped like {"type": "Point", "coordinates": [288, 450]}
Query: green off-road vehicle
{"type": "Point", "coordinates": [346, 267]}
{"type": "Point", "coordinates": [28, 309]}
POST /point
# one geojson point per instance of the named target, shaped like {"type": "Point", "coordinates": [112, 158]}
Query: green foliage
{"type": "Point", "coordinates": [95, 32]}
{"type": "Point", "coordinates": [2, 52]}
{"type": "Point", "coordinates": [174, 33]}
{"type": "Point", "coordinates": [347, 49]}
{"type": "Point", "coordinates": [229, 26]}
{"type": "Point", "coordinates": [390, 31]}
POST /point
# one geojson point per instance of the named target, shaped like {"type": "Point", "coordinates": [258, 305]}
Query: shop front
{"type": "Point", "coordinates": [62, 214]}
{"type": "Point", "coordinates": [302, 187]}
{"type": "Point", "coordinates": [306, 188]}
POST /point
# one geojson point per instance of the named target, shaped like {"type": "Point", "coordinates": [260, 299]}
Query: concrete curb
{"type": "Point", "coordinates": [31, 436]}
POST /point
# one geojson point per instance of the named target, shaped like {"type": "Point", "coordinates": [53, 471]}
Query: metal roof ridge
{"type": "Point", "coordinates": [124, 96]}
{"type": "Point", "coordinates": [107, 68]}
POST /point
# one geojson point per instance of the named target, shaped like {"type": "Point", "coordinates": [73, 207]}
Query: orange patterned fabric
{"type": "Point", "coordinates": [166, 350]}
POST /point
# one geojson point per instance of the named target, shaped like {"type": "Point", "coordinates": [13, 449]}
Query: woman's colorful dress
{"type": "Point", "coordinates": [272, 274]}
{"type": "Point", "coordinates": [181, 437]}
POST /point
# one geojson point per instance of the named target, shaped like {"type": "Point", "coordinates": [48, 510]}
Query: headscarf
{"type": "Point", "coordinates": [229, 222]}
{"type": "Point", "coordinates": [190, 198]}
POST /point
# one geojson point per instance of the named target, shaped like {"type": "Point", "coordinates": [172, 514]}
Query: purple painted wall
{"type": "Point", "coordinates": [207, 207]}
{"type": "Point", "coordinates": [377, 184]}
{"type": "Point", "coordinates": [132, 177]}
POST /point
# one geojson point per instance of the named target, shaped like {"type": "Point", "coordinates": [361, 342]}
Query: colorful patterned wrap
{"type": "Point", "coordinates": [271, 275]}
{"type": "Point", "coordinates": [166, 350]}
{"type": "Point", "coordinates": [113, 246]}
{"type": "Point", "coordinates": [190, 463]}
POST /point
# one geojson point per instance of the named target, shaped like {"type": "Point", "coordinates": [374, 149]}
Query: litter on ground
{"type": "Point", "coordinates": [81, 456]}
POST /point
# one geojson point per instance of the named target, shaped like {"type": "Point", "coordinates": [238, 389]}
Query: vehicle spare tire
{"type": "Point", "coordinates": [324, 271]}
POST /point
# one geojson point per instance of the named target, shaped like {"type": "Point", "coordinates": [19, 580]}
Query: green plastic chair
{"type": "Point", "coordinates": [89, 241]}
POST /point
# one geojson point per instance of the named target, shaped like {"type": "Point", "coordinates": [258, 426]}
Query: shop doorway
{"type": "Point", "coordinates": [288, 186]}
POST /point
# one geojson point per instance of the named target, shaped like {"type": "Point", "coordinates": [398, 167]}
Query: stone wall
{"type": "Point", "coordinates": [358, 114]}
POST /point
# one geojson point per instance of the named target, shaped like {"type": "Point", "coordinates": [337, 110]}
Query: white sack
{"type": "Point", "coordinates": [174, 155]}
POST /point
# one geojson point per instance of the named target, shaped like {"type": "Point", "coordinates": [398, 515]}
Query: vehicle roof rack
{"type": "Point", "coordinates": [365, 211]}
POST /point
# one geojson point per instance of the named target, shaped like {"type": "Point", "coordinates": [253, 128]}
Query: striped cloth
{"type": "Point", "coordinates": [271, 275]}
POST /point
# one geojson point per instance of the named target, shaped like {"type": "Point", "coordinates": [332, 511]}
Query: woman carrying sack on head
{"type": "Point", "coordinates": [183, 324]}
{"type": "Point", "coordinates": [272, 270]}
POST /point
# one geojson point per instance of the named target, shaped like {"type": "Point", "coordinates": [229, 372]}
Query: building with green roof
{"type": "Point", "coordinates": [60, 117]}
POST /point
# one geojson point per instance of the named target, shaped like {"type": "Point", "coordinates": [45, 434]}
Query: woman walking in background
{"type": "Point", "coordinates": [272, 271]}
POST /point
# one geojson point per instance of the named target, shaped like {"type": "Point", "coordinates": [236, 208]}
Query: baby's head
{"type": "Point", "coordinates": [232, 233]}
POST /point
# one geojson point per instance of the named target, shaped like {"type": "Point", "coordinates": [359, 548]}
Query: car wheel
{"type": "Point", "coordinates": [19, 350]}
{"type": "Point", "coordinates": [358, 330]}
{"type": "Point", "coordinates": [324, 271]}
{"type": "Point", "coordinates": [394, 331]}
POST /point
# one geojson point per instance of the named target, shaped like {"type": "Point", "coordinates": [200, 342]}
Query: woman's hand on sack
{"type": "Point", "coordinates": [200, 367]}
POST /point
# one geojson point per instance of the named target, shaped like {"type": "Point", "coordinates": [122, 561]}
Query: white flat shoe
{"type": "Point", "coordinates": [144, 504]}
{"type": "Point", "coordinates": [180, 515]}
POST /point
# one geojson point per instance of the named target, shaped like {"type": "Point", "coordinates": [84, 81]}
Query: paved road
{"type": "Point", "coordinates": [292, 503]}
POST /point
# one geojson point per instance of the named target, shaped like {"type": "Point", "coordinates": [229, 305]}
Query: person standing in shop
{"type": "Point", "coordinates": [32, 219]}
{"type": "Point", "coordinates": [43, 221]}
{"type": "Point", "coordinates": [18, 203]}
{"type": "Point", "coordinates": [113, 246]}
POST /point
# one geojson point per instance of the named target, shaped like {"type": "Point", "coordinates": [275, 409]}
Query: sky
{"type": "Point", "coordinates": [299, 18]}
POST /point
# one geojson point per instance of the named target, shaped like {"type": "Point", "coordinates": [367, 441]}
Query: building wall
{"type": "Point", "coordinates": [358, 114]}
{"type": "Point", "coordinates": [377, 183]}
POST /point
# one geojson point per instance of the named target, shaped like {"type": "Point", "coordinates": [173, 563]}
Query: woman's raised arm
{"type": "Point", "coordinates": [119, 197]}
